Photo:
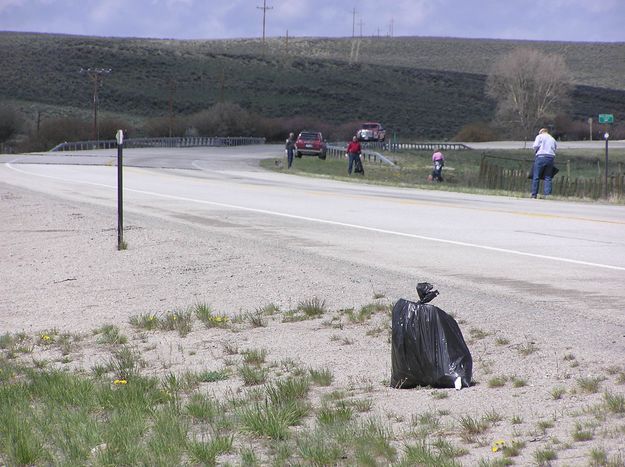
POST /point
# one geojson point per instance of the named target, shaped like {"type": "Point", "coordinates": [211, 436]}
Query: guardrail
{"type": "Point", "coordinates": [390, 146]}
{"type": "Point", "coordinates": [175, 142]}
{"type": "Point", "coordinates": [338, 152]}
{"type": "Point", "coordinates": [429, 146]}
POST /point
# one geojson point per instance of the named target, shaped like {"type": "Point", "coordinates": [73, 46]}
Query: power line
{"type": "Point", "coordinates": [264, 8]}
{"type": "Point", "coordinates": [96, 75]}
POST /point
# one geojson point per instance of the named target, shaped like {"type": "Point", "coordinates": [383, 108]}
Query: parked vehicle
{"type": "Point", "coordinates": [310, 143]}
{"type": "Point", "coordinates": [371, 131]}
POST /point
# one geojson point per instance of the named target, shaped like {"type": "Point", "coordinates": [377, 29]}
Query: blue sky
{"type": "Point", "coordinates": [562, 20]}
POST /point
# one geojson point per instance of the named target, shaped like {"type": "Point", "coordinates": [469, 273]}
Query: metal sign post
{"type": "Point", "coordinates": [606, 119]}
{"type": "Point", "coordinates": [607, 137]}
{"type": "Point", "coordinates": [120, 202]}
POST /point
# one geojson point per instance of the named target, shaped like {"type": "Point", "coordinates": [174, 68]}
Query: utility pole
{"type": "Point", "coordinates": [264, 8]}
{"type": "Point", "coordinates": [222, 85]}
{"type": "Point", "coordinates": [391, 27]}
{"type": "Point", "coordinates": [96, 75]}
{"type": "Point", "coordinates": [354, 23]}
{"type": "Point", "coordinates": [38, 119]}
{"type": "Point", "coordinates": [287, 42]}
{"type": "Point", "coordinates": [360, 23]}
{"type": "Point", "coordinates": [172, 90]}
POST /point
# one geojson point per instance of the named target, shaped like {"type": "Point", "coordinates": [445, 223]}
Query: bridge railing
{"type": "Point", "coordinates": [174, 142]}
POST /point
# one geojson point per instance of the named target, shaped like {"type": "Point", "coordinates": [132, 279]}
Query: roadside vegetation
{"type": "Point", "coordinates": [462, 168]}
{"type": "Point", "coordinates": [249, 406]}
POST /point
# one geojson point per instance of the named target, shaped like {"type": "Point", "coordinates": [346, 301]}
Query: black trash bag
{"type": "Point", "coordinates": [541, 175]}
{"type": "Point", "coordinates": [427, 346]}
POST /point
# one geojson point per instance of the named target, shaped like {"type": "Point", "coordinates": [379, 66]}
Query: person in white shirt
{"type": "Point", "coordinates": [545, 153]}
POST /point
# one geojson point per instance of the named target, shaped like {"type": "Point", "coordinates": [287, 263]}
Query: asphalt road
{"type": "Point", "coordinates": [572, 254]}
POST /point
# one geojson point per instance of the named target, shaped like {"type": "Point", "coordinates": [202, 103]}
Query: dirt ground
{"type": "Point", "coordinates": [60, 272]}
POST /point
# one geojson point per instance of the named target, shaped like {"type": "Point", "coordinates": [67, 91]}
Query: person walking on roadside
{"type": "Point", "coordinates": [545, 152]}
{"type": "Point", "coordinates": [290, 149]}
{"type": "Point", "coordinates": [353, 153]}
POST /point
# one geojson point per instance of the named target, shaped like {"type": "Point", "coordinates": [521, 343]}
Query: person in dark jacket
{"type": "Point", "coordinates": [353, 152]}
{"type": "Point", "coordinates": [290, 149]}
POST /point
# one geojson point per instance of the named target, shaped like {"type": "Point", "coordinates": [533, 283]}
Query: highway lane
{"type": "Point", "coordinates": [569, 257]}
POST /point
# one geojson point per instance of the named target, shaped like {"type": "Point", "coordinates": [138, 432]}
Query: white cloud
{"type": "Point", "coordinates": [6, 4]}
{"type": "Point", "coordinates": [291, 9]}
{"type": "Point", "coordinates": [601, 6]}
{"type": "Point", "coordinates": [175, 3]}
{"type": "Point", "coordinates": [107, 10]}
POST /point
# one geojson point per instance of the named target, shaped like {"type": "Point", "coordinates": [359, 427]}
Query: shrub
{"type": "Point", "coordinates": [223, 119]}
{"type": "Point", "coordinates": [476, 132]}
{"type": "Point", "coordinates": [10, 123]}
{"type": "Point", "coordinates": [159, 126]}
{"type": "Point", "coordinates": [57, 130]}
{"type": "Point", "coordinates": [107, 128]}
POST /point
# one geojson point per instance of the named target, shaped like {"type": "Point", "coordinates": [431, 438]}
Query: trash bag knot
{"type": "Point", "coordinates": [426, 292]}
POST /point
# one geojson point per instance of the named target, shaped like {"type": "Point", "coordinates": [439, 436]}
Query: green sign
{"type": "Point", "coordinates": [606, 118]}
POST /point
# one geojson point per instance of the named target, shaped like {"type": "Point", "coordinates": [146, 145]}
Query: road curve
{"type": "Point", "coordinates": [564, 257]}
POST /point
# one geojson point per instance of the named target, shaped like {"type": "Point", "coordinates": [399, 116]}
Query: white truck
{"type": "Point", "coordinates": [371, 131]}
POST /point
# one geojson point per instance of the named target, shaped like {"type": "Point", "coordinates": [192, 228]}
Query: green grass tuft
{"type": "Point", "coordinates": [252, 375]}
{"type": "Point", "coordinates": [312, 308]}
{"type": "Point", "coordinates": [147, 322]}
{"type": "Point", "coordinates": [255, 356]}
{"type": "Point", "coordinates": [211, 376]}
{"type": "Point", "coordinates": [322, 377]}
{"type": "Point", "coordinates": [615, 403]}
{"type": "Point", "coordinates": [543, 457]}
{"type": "Point", "coordinates": [580, 433]}
{"type": "Point", "coordinates": [589, 385]}
{"type": "Point", "coordinates": [497, 381]}
{"type": "Point", "coordinates": [558, 392]}
{"type": "Point", "coordinates": [110, 334]}
{"type": "Point", "coordinates": [180, 321]}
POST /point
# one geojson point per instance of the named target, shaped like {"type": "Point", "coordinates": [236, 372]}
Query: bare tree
{"type": "Point", "coordinates": [529, 86]}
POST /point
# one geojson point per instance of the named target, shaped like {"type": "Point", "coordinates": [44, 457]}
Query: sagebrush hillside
{"type": "Point", "coordinates": [423, 87]}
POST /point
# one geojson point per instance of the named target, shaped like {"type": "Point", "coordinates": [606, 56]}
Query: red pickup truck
{"type": "Point", "coordinates": [310, 143]}
{"type": "Point", "coordinates": [371, 131]}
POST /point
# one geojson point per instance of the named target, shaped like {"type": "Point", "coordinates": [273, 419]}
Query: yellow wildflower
{"type": "Point", "coordinates": [120, 381]}
{"type": "Point", "coordinates": [497, 445]}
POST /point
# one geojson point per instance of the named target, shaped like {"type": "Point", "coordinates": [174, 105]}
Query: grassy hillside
{"type": "Point", "coordinates": [419, 87]}
{"type": "Point", "coordinates": [591, 64]}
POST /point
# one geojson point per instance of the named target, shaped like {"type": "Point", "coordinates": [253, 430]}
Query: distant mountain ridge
{"type": "Point", "coordinates": [424, 87]}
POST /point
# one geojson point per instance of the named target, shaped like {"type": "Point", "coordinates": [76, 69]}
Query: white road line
{"type": "Point", "coordinates": [339, 224]}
